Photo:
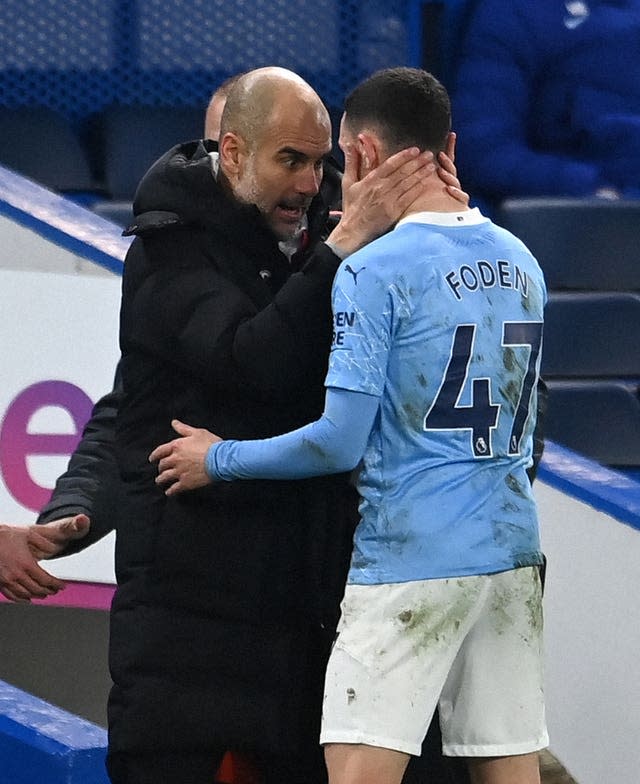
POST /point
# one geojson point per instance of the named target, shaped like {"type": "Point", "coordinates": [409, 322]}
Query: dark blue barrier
{"type": "Point", "coordinates": [44, 744]}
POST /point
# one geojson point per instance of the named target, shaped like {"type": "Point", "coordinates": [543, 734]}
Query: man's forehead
{"type": "Point", "coordinates": [301, 149]}
{"type": "Point", "coordinates": [309, 139]}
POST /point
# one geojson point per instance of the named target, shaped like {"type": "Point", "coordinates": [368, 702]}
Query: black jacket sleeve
{"type": "Point", "coordinates": [298, 323]}
{"type": "Point", "coordinates": [90, 483]}
{"type": "Point", "coordinates": [227, 327]}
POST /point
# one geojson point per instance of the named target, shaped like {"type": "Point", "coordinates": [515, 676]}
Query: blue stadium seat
{"type": "Point", "coordinates": [590, 253]}
{"type": "Point", "coordinates": [594, 334]}
{"type": "Point", "coordinates": [42, 145]}
{"type": "Point", "coordinates": [587, 244]}
{"type": "Point", "coordinates": [133, 137]}
{"type": "Point", "coordinates": [598, 418]}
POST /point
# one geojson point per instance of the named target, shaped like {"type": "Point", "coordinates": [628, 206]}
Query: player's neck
{"type": "Point", "coordinates": [434, 199]}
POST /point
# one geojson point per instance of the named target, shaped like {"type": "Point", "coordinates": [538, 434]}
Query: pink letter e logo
{"type": "Point", "coordinates": [17, 444]}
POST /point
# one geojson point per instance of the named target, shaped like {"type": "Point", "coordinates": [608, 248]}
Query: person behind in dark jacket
{"type": "Point", "coordinates": [547, 99]}
{"type": "Point", "coordinates": [219, 637]}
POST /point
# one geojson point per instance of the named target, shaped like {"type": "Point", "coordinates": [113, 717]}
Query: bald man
{"type": "Point", "coordinates": [227, 601]}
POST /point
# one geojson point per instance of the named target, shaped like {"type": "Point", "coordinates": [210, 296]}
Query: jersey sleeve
{"type": "Point", "coordinates": [333, 444]}
{"type": "Point", "coordinates": [362, 323]}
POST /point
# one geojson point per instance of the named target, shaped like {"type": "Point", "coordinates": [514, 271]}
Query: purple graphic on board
{"type": "Point", "coordinates": [18, 443]}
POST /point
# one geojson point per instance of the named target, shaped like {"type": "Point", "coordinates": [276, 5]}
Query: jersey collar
{"type": "Point", "coordinates": [464, 218]}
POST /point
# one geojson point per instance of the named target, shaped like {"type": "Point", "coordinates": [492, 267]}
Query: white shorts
{"type": "Point", "coordinates": [470, 645]}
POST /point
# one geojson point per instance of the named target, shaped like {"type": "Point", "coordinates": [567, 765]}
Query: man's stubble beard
{"type": "Point", "coordinates": [249, 193]}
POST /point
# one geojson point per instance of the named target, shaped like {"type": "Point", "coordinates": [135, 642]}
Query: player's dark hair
{"type": "Point", "coordinates": [406, 106]}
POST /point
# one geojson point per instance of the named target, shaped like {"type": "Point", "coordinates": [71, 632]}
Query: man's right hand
{"type": "Point", "coordinates": [373, 204]}
{"type": "Point", "coordinates": [21, 547]}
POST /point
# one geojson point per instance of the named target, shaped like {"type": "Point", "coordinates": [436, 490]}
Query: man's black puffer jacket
{"type": "Point", "coordinates": [228, 596]}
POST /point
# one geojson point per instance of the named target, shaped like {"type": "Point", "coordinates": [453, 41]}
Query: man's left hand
{"type": "Point", "coordinates": [181, 461]}
{"type": "Point", "coordinates": [449, 174]}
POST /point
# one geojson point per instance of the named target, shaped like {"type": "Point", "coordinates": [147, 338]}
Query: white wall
{"type": "Point", "coordinates": [592, 638]}
{"type": "Point", "coordinates": [60, 300]}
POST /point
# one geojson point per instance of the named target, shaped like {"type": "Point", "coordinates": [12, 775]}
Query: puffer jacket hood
{"type": "Point", "coordinates": [179, 189]}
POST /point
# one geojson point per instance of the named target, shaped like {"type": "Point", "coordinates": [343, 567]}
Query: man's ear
{"type": "Point", "coordinates": [232, 149]}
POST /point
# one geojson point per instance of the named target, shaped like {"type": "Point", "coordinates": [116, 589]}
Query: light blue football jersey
{"type": "Point", "coordinates": [442, 319]}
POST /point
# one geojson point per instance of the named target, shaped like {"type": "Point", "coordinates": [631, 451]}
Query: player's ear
{"type": "Point", "coordinates": [369, 150]}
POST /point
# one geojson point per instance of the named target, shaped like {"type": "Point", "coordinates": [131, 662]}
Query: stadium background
{"type": "Point", "coordinates": [106, 85]}
{"type": "Point", "coordinates": [91, 76]}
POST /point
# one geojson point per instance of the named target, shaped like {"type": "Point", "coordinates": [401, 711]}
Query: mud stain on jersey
{"type": "Point", "coordinates": [412, 416]}
{"type": "Point", "coordinates": [514, 485]}
{"type": "Point", "coordinates": [509, 359]}
{"type": "Point", "coordinates": [511, 394]}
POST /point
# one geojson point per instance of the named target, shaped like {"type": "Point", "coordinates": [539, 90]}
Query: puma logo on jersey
{"type": "Point", "coordinates": [353, 272]}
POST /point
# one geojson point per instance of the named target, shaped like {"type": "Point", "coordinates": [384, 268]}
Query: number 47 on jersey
{"type": "Point", "coordinates": [481, 417]}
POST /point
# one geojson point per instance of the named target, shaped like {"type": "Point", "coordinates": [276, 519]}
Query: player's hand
{"type": "Point", "coordinates": [181, 461]}
{"type": "Point", "coordinates": [21, 578]}
{"type": "Point", "coordinates": [371, 205]}
{"type": "Point", "coordinates": [449, 174]}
